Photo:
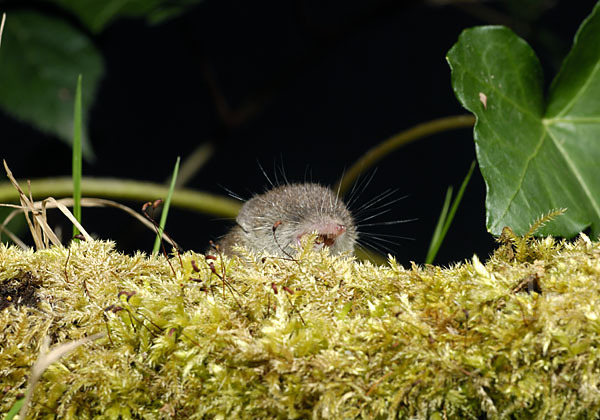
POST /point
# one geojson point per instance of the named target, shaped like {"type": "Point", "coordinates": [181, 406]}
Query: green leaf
{"type": "Point", "coordinates": [40, 60]}
{"type": "Point", "coordinates": [535, 155]}
{"type": "Point", "coordinates": [97, 14]}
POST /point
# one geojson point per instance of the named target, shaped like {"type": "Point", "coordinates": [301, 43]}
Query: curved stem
{"type": "Point", "coordinates": [383, 149]}
{"type": "Point", "coordinates": [125, 189]}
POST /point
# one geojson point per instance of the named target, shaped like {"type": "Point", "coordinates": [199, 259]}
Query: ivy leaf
{"type": "Point", "coordinates": [97, 14]}
{"type": "Point", "coordinates": [534, 155]}
{"type": "Point", "coordinates": [40, 60]}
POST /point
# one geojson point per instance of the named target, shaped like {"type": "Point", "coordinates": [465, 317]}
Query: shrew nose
{"type": "Point", "coordinates": [328, 233]}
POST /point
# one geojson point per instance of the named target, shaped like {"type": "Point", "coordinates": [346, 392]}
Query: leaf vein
{"type": "Point", "coordinates": [571, 120]}
{"type": "Point", "coordinates": [578, 176]}
{"type": "Point", "coordinates": [581, 91]}
{"type": "Point", "coordinates": [522, 176]}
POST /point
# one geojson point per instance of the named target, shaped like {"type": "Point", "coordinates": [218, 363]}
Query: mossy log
{"type": "Point", "coordinates": [315, 336]}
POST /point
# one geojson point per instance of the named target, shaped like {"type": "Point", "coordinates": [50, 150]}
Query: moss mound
{"type": "Point", "coordinates": [318, 337]}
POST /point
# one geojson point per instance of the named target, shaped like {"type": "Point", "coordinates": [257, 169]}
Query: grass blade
{"type": "Point", "coordinates": [435, 243]}
{"type": "Point", "coordinates": [165, 211]}
{"type": "Point", "coordinates": [458, 199]}
{"type": "Point", "coordinates": [76, 166]}
{"type": "Point", "coordinates": [14, 410]}
{"type": "Point", "coordinates": [446, 217]}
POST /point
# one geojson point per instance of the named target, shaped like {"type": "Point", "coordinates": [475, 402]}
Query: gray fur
{"type": "Point", "coordinates": [301, 209]}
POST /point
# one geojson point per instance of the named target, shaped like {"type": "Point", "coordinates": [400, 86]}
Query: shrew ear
{"type": "Point", "coordinates": [247, 215]}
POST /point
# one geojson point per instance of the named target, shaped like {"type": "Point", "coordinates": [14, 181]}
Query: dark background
{"type": "Point", "coordinates": [307, 86]}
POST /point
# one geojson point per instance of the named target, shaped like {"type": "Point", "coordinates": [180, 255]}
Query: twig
{"type": "Point", "coordinates": [388, 146]}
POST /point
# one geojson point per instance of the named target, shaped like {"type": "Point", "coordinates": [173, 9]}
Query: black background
{"type": "Point", "coordinates": [324, 82]}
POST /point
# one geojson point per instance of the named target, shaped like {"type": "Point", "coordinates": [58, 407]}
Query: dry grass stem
{"type": "Point", "coordinates": [45, 359]}
{"type": "Point", "coordinates": [41, 232]}
{"type": "Point", "coordinates": [2, 27]}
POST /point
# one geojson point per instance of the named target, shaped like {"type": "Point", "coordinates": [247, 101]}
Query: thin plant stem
{"type": "Point", "coordinates": [126, 189]}
{"type": "Point", "coordinates": [385, 148]}
{"type": "Point", "coordinates": [76, 166]}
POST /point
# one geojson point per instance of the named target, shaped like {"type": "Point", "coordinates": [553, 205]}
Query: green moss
{"type": "Point", "coordinates": [318, 337]}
